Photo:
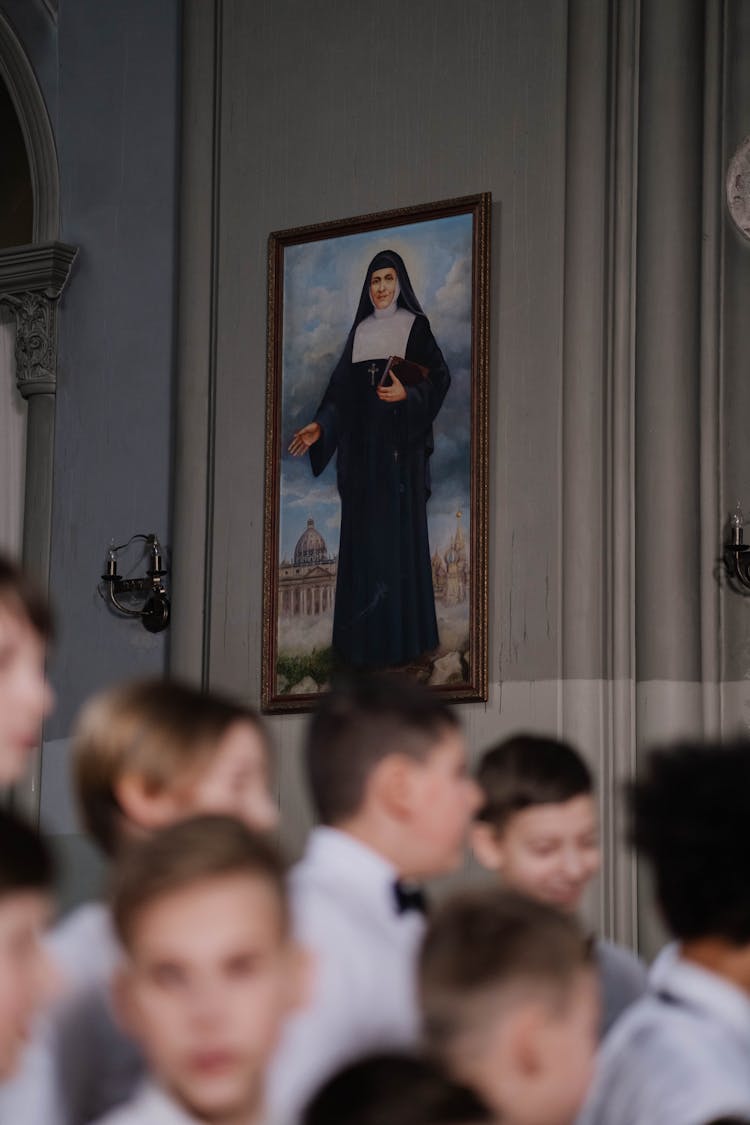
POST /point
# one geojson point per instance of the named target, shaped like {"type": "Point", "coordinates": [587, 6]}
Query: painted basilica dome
{"type": "Point", "coordinates": [311, 547]}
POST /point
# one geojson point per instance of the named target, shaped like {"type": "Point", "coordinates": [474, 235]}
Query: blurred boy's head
{"type": "Point", "coordinates": [397, 1089]}
{"type": "Point", "coordinates": [211, 969]}
{"type": "Point", "coordinates": [537, 826]}
{"type": "Point", "coordinates": [510, 1003]}
{"type": "Point", "coordinates": [26, 976]}
{"type": "Point", "coordinates": [691, 809]}
{"type": "Point", "coordinates": [387, 760]}
{"type": "Point", "coordinates": [25, 695]}
{"type": "Point", "coordinates": [152, 752]}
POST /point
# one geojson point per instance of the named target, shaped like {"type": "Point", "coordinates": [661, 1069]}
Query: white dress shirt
{"type": "Point", "coordinates": [79, 1063]}
{"type": "Point", "coordinates": [364, 994]}
{"type": "Point", "coordinates": [153, 1106]}
{"type": "Point", "coordinates": [679, 1056]}
{"type": "Point", "coordinates": [150, 1106]}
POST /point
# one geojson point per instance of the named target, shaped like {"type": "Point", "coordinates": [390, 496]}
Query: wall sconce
{"type": "Point", "coordinates": [737, 553]}
{"type": "Point", "coordinates": [154, 612]}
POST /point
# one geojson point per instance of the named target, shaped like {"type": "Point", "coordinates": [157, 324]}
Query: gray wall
{"type": "Point", "coordinates": [618, 386]}
{"type": "Point", "coordinates": [110, 76]}
{"type": "Point", "coordinates": [340, 109]}
{"type": "Point", "coordinates": [616, 373]}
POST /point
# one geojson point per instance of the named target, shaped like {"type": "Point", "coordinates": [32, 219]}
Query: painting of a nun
{"type": "Point", "coordinates": [376, 503]}
{"type": "Point", "coordinates": [381, 430]}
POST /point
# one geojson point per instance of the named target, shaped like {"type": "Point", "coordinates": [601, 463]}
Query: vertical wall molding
{"type": "Point", "coordinates": [642, 400]}
{"type": "Point", "coordinates": [712, 272]}
{"type": "Point", "coordinates": [597, 643]}
{"type": "Point", "coordinates": [620, 440]}
{"type": "Point", "coordinates": [189, 652]}
{"type": "Point", "coordinates": [672, 491]}
{"type": "Point", "coordinates": [584, 341]}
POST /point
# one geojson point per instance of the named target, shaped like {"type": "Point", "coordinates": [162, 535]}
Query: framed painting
{"type": "Point", "coordinates": [376, 496]}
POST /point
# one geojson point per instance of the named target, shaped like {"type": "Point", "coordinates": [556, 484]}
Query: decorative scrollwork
{"type": "Point", "coordinates": [36, 342]}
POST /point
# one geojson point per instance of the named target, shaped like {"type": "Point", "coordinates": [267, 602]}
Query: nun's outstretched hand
{"type": "Point", "coordinates": [304, 438]}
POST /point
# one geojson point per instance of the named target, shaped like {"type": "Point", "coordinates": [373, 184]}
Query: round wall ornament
{"type": "Point", "coordinates": [738, 188]}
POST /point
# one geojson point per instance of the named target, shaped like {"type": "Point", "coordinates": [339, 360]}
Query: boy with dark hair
{"type": "Point", "coordinates": [145, 754]}
{"type": "Point", "coordinates": [210, 972]}
{"type": "Point", "coordinates": [681, 1055]}
{"type": "Point", "coordinates": [510, 1004]}
{"type": "Point", "coordinates": [26, 974]}
{"type": "Point", "coordinates": [25, 695]}
{"type": "Point", "coordinates": [386, 763]}
{"type": "Point", "coordinates": [397, 1089]}
{"type": "Point", "coordinates": [537, 828]}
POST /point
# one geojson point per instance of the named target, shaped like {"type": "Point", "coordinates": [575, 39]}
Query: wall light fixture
{"type": "Point", "coordinates": [154, 610]}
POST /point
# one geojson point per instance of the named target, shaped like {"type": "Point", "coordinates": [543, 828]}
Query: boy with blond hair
{"type": "Point", "coordinates": [386, 765]}
{"type": "Point", "coordinates": [145, 755]}
{"type": "Point", "coordinates": [151, 752]}
{"type": "Point", "coordinates": [25, 695]}
{"type": "Point", "coordinates": [210, 971]}
{"type": "Point", "coordinates": [537, 830]}
{"type": "Point", "coordinates": [509, 1003]}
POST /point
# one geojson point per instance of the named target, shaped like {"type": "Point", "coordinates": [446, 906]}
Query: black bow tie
{"type": "Point", "coordinates": [408, 896]}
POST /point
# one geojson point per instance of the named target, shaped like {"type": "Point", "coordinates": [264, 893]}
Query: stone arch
{"type": "Point", "coordinates": [19, 77]}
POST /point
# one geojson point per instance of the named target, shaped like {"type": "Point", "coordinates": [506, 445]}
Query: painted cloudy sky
{"type": "Point", "coordinates": [322, 284]}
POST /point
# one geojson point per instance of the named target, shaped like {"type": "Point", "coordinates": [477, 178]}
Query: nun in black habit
{"type": "Point", "coordinates": [385, 605]}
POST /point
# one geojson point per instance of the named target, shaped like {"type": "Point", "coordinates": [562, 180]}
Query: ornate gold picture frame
{"type": "Point", "coordinates": [376, 494]}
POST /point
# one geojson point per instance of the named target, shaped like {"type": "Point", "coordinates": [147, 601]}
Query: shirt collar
{"type": "Point", "coordinates": [153, 1104]}
{"type": "Point", "coordinates": [351, 863]}
{"type": "Point", "coordinates": [687, 983]}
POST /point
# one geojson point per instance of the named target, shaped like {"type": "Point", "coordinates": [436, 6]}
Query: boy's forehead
{"type": "Point", "coordinates": [188, 917]}
{"type": "Point", "coordinates": [577, 813]}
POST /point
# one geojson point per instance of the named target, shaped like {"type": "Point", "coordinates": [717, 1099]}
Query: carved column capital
{"type": "Point", "coordinates": [31, 281]}
{"type": "Point", "coordinates": [36, 342]}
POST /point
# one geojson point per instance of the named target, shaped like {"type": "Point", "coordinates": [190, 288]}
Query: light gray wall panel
{"type": "Point", "coordinates": [598, 130]}
{"type": "Point", "coordinates": [668, 341]}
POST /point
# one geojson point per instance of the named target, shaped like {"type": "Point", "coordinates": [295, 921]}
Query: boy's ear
{"type": "Point", "coordinates": [527, 1041]}
{"type": "Point", "coordinates": [392, 783]}
{"type": "Point", "coordinates": [121, 999]}
{"type": "Point", "coordinates": [143, 807]}
{"type": "Point", "coordinates": [302, 977]}
{"type": "Point", "coordinates": [487, 846]}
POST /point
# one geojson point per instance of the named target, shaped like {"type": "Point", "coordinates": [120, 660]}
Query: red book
{"type": "Point", "coordinates": [408, 373]}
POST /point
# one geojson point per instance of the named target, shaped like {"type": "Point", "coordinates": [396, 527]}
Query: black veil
{"type": "Point", "coordinates": [407, 298]}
